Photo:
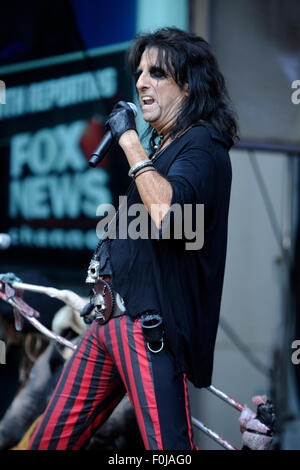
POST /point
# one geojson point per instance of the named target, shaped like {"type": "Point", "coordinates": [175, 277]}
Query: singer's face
{"type": "Point", "coordinates": [159, 95]}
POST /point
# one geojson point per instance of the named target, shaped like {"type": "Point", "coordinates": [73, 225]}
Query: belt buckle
{"type": "Point", "coordinates": [103, 300]}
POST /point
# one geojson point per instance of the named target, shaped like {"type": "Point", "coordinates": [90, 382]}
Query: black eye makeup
{"type": "Point", "coordinates": [156, 72]}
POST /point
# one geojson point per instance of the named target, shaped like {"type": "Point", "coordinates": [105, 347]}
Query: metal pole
{"type": "Point", "coordinates": [235, 404]}
{"type": "Point", "coordinates": [67, 296]}
{"type": "Point", "coordinates": [40, 327]}
{"type": "Point", "coordinates": [213, 435]}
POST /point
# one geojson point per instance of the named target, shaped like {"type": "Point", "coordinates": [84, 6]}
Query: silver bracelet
{"type": "Point", "coordinates": [138, 167]}
{"type": "Point", "coordinates": [145, 171]}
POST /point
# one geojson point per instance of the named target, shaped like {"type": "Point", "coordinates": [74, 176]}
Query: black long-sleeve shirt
{"type": "Point", "coordinates": [162, 275]}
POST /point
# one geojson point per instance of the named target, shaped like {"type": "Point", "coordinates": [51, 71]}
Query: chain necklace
{"type": "Point", "coordinates": [157, 148]}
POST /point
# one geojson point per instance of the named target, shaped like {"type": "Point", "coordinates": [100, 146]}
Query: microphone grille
{"type": "Point", "coordinates": [133, 107]}
{"type": "Point", "coordinates": [5, 241]}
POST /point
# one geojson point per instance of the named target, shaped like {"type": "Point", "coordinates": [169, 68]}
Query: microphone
{"type": "Point", "coordinates": [106, 144]}
{"type": "Point", "coordinates": [5, 241]}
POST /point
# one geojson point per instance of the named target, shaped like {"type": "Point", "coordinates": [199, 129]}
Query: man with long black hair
{"type": "Point", "coordinates": [171, 292]}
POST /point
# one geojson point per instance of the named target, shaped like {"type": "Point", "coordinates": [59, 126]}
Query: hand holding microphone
{"type": "Point", "coordinates": [121, 119]}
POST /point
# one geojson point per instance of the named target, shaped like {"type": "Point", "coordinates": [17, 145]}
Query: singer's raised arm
{"type": "Point", "coordinates": [153, 188]}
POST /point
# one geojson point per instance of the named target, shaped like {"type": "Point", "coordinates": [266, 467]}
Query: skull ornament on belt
{"type": "Point", "coordinates": [103, 300]}
{"type": "Point", "coordinates": [93, 272]}
{"type": "Point", "coordinates": [100, 308]}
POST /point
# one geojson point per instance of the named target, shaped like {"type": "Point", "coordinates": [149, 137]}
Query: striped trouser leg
{"type": "Point", "coordinates": [87, 392]}
{"type": "Point", "coordinates": [92, 384]}
{"type": "Point", "coordinates": [159, 396]}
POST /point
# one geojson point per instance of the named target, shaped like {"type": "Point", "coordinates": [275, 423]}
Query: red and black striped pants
{"type": "Point", "coordinates": [110, 360]}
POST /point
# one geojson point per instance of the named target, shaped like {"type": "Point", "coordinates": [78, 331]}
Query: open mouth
{"type": "Point", "coordinates": [147, 100]}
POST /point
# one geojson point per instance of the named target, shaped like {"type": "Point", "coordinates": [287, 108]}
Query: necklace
{"type": "Point", "coordinates": [157, 153]}
{"type": "Point", "coordinates": [158, 145]}
{"type": "Point", "coordinates": [158, 150]}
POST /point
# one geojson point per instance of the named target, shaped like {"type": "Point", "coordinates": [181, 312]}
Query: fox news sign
{"type": "Point", "coordinates": [53, 119]}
